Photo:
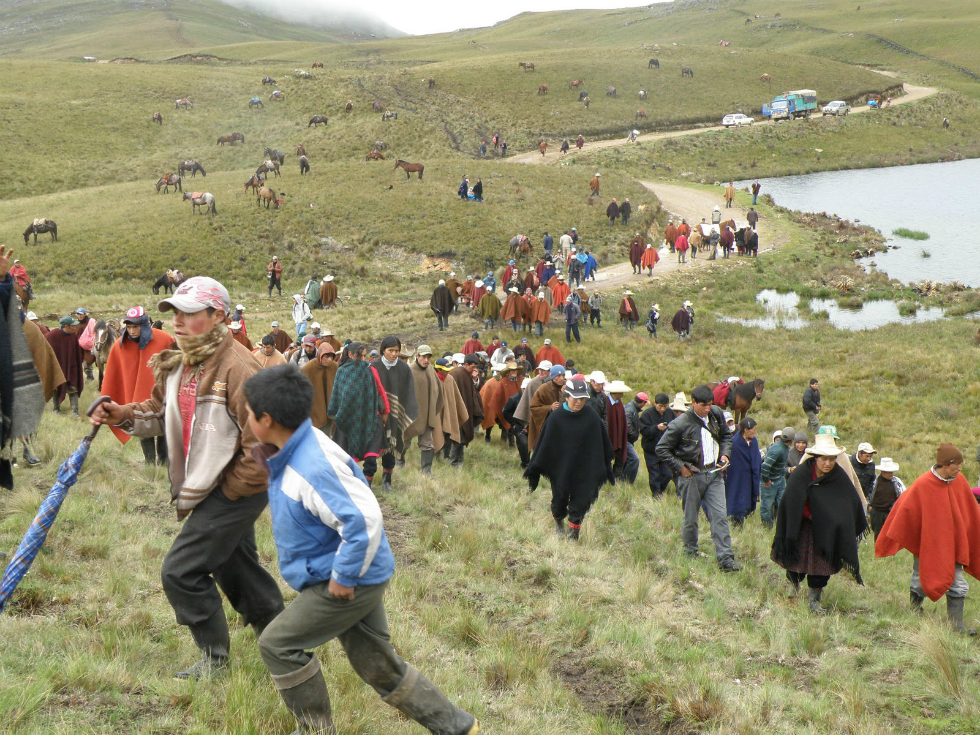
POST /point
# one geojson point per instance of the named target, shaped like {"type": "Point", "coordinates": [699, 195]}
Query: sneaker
{"type": "Point", "coordinates": [729, 565]}
{"type": "Point", "coordinates": [204, 669]}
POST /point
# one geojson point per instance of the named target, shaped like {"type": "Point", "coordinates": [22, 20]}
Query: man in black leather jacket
{"type": "Point", "coordinates": [697, 446]}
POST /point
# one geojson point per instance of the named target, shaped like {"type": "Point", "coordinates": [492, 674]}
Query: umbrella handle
{"type": "Point", "coordinates": [91, 409]}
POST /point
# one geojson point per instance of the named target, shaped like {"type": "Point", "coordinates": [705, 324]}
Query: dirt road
{"type": "Point", "coordinates": [912, 93]}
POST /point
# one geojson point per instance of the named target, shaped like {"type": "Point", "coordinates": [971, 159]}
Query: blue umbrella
{"type": "Point", "coordinates": [38, 532]}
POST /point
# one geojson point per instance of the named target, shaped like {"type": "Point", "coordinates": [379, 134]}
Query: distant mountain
{"type": "Point", "coordinates": [319, 14]}
{"type": "Point", "coordinates": [151, 29]}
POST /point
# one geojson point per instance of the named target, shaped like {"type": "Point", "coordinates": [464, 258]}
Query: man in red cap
{"type": "Point", "coordinates": [937, 519]}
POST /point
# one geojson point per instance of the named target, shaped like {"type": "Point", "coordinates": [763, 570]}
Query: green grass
{"type": "Point", "coordinates": [910, 234]}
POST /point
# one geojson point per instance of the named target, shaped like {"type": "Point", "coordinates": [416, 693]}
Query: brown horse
{"type": "Point", "coordinates": [766, 79]}
{"type": "Point", "coordinates": [300, 150]}
{"type": "Point", "coordinates": [168, 180]}
{"type": "Point", "coordinates": [317, 64]}
{"type": "Point", "coordinates": [740, 397]}
{"type": "Point", "coordinates": [231, 139]}
{"type": "Point", "coordinates": [349, 107]}
{"type": "Point", "coordinates": [542, 89]}
{"type": "Point", "coordinates": [520, 247]}
{"type": "Point", "coordinates": [586, 102]}
{"type": "Point", "coordinates": [575, 84]}
{"type": "Point", "coordinates": [377, 106]}
{"type": "Point", "coordinates": [374, 155]}
{"type": "Point", "coordinates": [526, 65]}
{"type": "Point", "coordinates": [254, 183]}
{"type": "Point", "coordinates": [431, 82]}
{"type": "Point", "coordinates": [268, 196]}
{"type": "Point", "coordinates": [687, 72]}
{"type": "Point", "coordinates": [277, 96]}
{"type": "Point", "coordinates": [158, 118]}
{"type": "Point", "coordinates": [107, 333]}
{"type": "Point", "coordinates": [640, 113]}
{"type": "Point", "coordinates": [269, 167]}
{"type": "Point", "coordinates": [24, 294]}
{"type": "Point", "coordinates": [317, 120]}
{"type": "Point", "coordinates": [410, 168]}
{"type": "Point", "coordinates": [39, 226]}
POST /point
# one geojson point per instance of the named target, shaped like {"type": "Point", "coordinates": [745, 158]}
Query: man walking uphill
{"type": "Point", "coordinates": [697, 446]}
{"type": "Point", "coordinates": [811, 405]}
{"type": "Point", "coordinates": [396, 378]}
{"type": "Point", "coordinates": [274, 271]}
{"type": "Point", "coordinates": [198, 403]}
{"type": "Point", "coordinates": [64, 343]}
{"type": "Point", "coordinates": [442, 304]}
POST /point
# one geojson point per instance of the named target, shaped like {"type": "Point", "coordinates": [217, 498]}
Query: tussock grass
{"type": "Point", "coordinates": [910, 234]}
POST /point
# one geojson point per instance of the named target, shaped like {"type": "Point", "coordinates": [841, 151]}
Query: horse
{"type": "Point", "coordinates": [586, 102]}
{"type": "Point", "coordinates": [277, 96]}
{"type": "Point", "coordinates": [316, 120]}
{"type": "Point", "coordinates": [431, 82]}
{"type": "Point", "coordinates": [583, 94]}
{"type": "Point", "coordinates": [255, 102]}
{"type": "Point", "coordinates": [374, 155]}
{"type": "Point", "coordinates": [766, 78]}
{"type": "Point", "coordinates": [300, 150]}
{"type": "Point", "coordinates": [349, 107]}
{"type": "Point", "coordinates": [639, 114]}
{"type": "Point", "coordinates": [643, 94]}
{"type": "Point", "coordinates": [107, 333]}
{"type": "Point", "coordinates": [380, 145]}
{"type": "Point", "coordinates": [526, 65]}
{"type": "Point", "coordinates": [317, 65]}
{"type": "Point", "coordinates": [740, 397]}
{"type": "Point", "coordinates": [610, 91]}
{"type": "Point", "coordinates": [653, 64]}
{"type": "Point", "coordinates": [749, 20]}
{"type": "Point", "coordinates": [184, 102]}
{"type": "Point", "coordinates": [275, 154]}
{"type": "Point", "coordinates": [301, 74]}
{"type": "Point", "coordinates": [267, 167]}
{"type": "Point", "coordinates": [388, 115]}
{"type": "Point", "coordinates": [40, 226]}
{"type": "Point", "coordinates": [520, 247]}
{"type": "Point", "coordinates": [377, 106]}
{"type": "Point", "coordinates": [304, 165]}
{"type": "Point", "coordinates": [168, 281]}
{"type": "Point", "coordinates": [168, 180]}
{"type": "Point", "coordinates": [575, 84]}
{"type": "Point", "coordinates": [201, 199]}
{"type": "Point", "coordinates": [268, 196]}
{"type": "Point", "coordinates": [158, 118]}
{"type": "Point", "coordinates": [269, 80]}
{"type": "Point", "coordinates": [192, 166]}
{"type": "Point", "coordinates": [254, 182]}
{"type": "Point", "coordinates": [542, 89]}
{"type": "Point", "coordinates": [410, 168]}
{"type": "Point", "coordinates": [687, 72]}
{"type": "Point", "coordinates": [231, 139]}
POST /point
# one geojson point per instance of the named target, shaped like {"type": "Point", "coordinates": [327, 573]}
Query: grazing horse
{"type": "Point", "coordinates": [643, 94]}
{"type": "Point", "coordinates": [192, 166]}
{"type": "Point", "coordinates": [304, 165]}
{"type": "Point", "coordinates": [766, 78]}
{"type": "Point", "coordinates": [377, 106]}
{"type": "Point", "coordinates": [349, 107]}
{"type": "Point", "coordinates": [269, 80]}
{"type": "Point", "coordinates": [520, 247]}
{"type": "Point", "coordinates": [380, 145]}
{"type": "Point", "coordinates": [231, 139]}
{"type": "Point", "coordinates": [610, 91]}
{"type": "Point", "coordinates": [687, 72]}
{"type": "Point", "coordinates": [583, 94]}
{"type": "Point", "coordinates": [542, 89]}
{"type": "Point", "coordinates": [741, 395]}
{"type": "Point", "coordinates": [410, 168]}
{"type": "Point", "coordinates": [317, 120]}
{"type": "Point", "coordinates": [389, 115]}
{"type": "Point", "coordinates": [107, 333]}
{"type": "Point", "coordinates": [267, 167]}
{"type": "Point", "coordinates": [44, 225]}
{"type": "Point", "coordinates": [201, 199]}
{"type": "Point", "coordinates": [317, 65]}
{"type": "Point", "coordinates": [255, 102]}
{"type": "Point", "coordinates": [575, 84]}
{"type": "Point", "coordinates": [277, 96]}
{"type": "Point", "coordinates": [586, 102]}
{"type": "Point", "coordinates": [168, 281]}
{"type": "Point", "coordinates": [275, 154]}
{"type": "Point", "coordinates": [268, 196]}
{"type": "Point", "coordinates": [639, 114]}
{"type": "Point", "coordinates": [374, 155]}
{"type": "Point", "coordinates": [302, 74]}
{"type": "Point", "coordinates": [167, 181]}
{"type": "Point", "coordinates": [526, 65]}
{"type": "Point", "coordinates": [653, 64]}
{"type": "Point", "coordinates": [300, 150]}
{"type": "Point", "coordinates": [431, 82]}
{"type": "Point", "coordinates": [254, 182]}
{"type": "Point", "coordinates": [184, 102]}
{"type": "Point", "coordinates": [158, 118]}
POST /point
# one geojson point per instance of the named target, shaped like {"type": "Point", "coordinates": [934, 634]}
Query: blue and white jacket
{"type": "Point", "coordinates": [325, 519]}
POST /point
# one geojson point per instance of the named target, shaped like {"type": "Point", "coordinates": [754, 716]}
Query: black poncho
{"type": "Point", "coordinates": [573, 451]}
{"type": "Point", "coordinates": [400, 387]}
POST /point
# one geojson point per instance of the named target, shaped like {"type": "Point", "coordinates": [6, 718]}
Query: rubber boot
{"type": "Point", "coordinates": [573, 531]}
{"type": "Point", "coordinates": [149, 447]}
{"type": "Point", "coordinates": [419, 699]}
{"type": "Point", "coordinates": [916, 599]}
{"type": "Point", "coordinates": [305, 693]}
{"type": "Point", "coordinates": [457, 455]}
{"type": "Point", "coordinates": [794, 590]}
{"type": "Point", "coordinates": [57, 406]}
{"type": "Point", "coordinates": [813, 598]}
{"type": "Point", "coordinates": [560, 528]}
{"type": "Point", "coordinates": [954, 608]}
{"type": "Point", "coordinates": [213, 639]}
{"type": "Point", "coordinates": [29, 457]}
{"type": "Point", "coordinates": [73, 401]}
{"type": "Point", "coordinates": [487, 435]}
{"type": "Point", "coordinates": [386, 480]}
{"type": "Point", "coordinates": [89, 375]}
{"type": "Point", "coordinates": [510, 440]}
{"type": "Point", "coordinates": [426, 462]}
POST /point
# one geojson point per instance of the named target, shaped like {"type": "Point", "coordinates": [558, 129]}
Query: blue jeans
{"type": "Point", "coordinates": [754, 197]}
{"type": "Point", "coordinates": [571, 329]}
{"type": "Point", "coordinates": [631, 467]}
{"type": "Point", "coordinates": [771, 497]}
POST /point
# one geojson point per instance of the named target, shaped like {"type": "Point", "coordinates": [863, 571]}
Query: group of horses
{"type": "Point", "coordinates": [231, 139]}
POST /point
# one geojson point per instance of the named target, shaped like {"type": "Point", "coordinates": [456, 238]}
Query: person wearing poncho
{"type": "Point", "coordinates": [574, 452]}
{"type": "Point", "coordinates": [550, 353]}
{"type": "Point", "coordinates": [559, 292]}
{"type": "Point", "coordinates": [359, 408]}
{"type": "Point", "coordinates": [819, 522]}
{"type": "Point", "coordinates": [328, 293]}
{"type": "Point", "coordinates": [525, 349]}
{"type": "Point", "coordinates": [628, 314]}
{"type": "Point", "coordinates": [473, 344]}
{"type": "Point", "coordinates": [239, 336]}
{"type": "Point", "coordinates": [64, 342]}
{"type": "Point", "coordinates": [465, 377]}
{"type": "Point", "coordinates": [494, 395]}
{"type": "Point", "coordinates": [937, 519]}
{"type": "Point", "coordinates": [431, 397]}
{"type": "Point", "coordinates": [266, 353]}
{"type": "Point", "coordinates": [649, 259]}
{"type": "Point", "coordinates": [489, 309]}
{"type": "Point", "coordinates": [452, 283]}
{"type": "Point", "coordinates": [129, 379]}
{"type": "Point", "coordinates": [547, 398]}
{"type": "Point", "coordinates": [743, 476]}
{"type": "Point", "coordinates": [540, 314]}
{"type": "Point", "coordinates": [637, 245]}
{"type": "Point", "coordinates": [515, 309]}
{"type": "Point", "coordinates": [442, 303]}
{"type": "Point", "coordinates": [282, 340]}
{"type": "Point", "coordinates": [398, 383]}
{"type": "Point", "coordinates": [682, 321]}
{"type": "Point", "coordinates": [479, 291]}
{"type": "Point", "coordinates": [321, 373]}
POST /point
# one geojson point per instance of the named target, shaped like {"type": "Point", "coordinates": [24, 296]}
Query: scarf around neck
{"type": "Point", "coordinates": [193, 351]}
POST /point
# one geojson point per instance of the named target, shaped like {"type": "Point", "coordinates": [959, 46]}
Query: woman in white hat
{"type": "Point", "coordinates": [884, 492]}
{"type": "Point", "coordinates": [818, 522]}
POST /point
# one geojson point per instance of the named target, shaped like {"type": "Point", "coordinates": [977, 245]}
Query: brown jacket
{"type": "Point", "coordinates": [45, 362]}
{"type": "Point", "coordinates": [546, 395]}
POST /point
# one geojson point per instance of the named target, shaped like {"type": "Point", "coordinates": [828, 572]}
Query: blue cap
{"type": "Point", "coordinates": [511, 263]}
{"type": "Point", "coordinates": [556, 370]}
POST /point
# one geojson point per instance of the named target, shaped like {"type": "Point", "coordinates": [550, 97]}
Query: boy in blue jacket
{"type": "Point", "coordinates": [333, 551]}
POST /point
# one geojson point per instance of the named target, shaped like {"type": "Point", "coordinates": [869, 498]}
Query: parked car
{"type": "Point", "coordinates": [837, 107]}
{"type": "Point", "coordinates": [737, 119]}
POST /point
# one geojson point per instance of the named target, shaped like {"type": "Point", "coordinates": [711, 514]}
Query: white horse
{"type": "Point", "coordinates": [199, 199]}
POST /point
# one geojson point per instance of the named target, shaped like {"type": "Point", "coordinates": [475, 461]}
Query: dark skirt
{"type": "Point", "coordinates": [808, 560]}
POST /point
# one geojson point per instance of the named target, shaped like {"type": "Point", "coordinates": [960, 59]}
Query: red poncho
{"type": "Point", "coordinates": [472, 345]}
{"type": "Point", "coordinates": [550, 353]}
{"type": "Point", "coordinates": [70, 358]}
{"type": "Point", "coordinates": [940, 524]}
{"type": "Point", "coordinates": [650, 258]}
{"type": "Point", "coordinates": [128, 379]}
{"type": "Point", "coordinates": [494, 395]}
{"type": "Point", "coordinates": [616, 425]}
{"type": "Point", "coordinates": [558, 294]}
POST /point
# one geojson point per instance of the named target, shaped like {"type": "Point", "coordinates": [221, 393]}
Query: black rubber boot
{"type": "Point", "coordinates": [487, 435]}
{"type": "Point", "coordinates": [149, 447]}
{"type": "Point", "coordinates": [510, 440]}
{"type": "Point", "coordinates": [73, 401]}
{"type": "Point", "coordinates": [426, 462]}
{"type": "Point", "coordinates": [29, 457]}
{"type": "Point", "coordinates": [954, 608]}
{"type": "Point", "coordinates": [916, 599]}
{"type": "Point", "coordinates": [386, 480]}
{"type": "Point", "coordinates": [813, 599]}
{"type": "Point", "coordinates": [560, 528]}
{"type": "Point", "coordinates": [213, 639]}
{"type": "Point", "coordinates": [573, 533]}
{"type": "Point", "coordinates": [457, 455]}
{"type": "Point", "coordinates": [418, 698]}
{"type": "Point", "coordinates": [57, 406]}
{"type": "Point", "coordinates": [305, 693]}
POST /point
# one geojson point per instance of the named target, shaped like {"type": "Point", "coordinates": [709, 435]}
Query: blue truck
{"type": "Point", "coordinates": [798, 103]}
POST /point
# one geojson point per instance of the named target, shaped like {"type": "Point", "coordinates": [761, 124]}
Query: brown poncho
{"type": "Point", "coordinates": [547, 394]}
{"type": "Point", "coordinates": [45, 361]}
{"type": "Point", "coordinates": [282, 340]}
{"type": "Point", "coordinates": [322, 379]}
{"type": "Point", "coordinates": [494, 395]}
{"type": "Point", "coordinates": [328, 294]}
{"type": "Point", "coordinates": [515, 308]}
{"type": "Point", "coordinates": [471, 399]}
{"type": "Point", "coordinates": [540, 311]}
{"type": "Point", "coordinates": [627, 310]}
{"type": "Point", "coordinates": [442, 301]}
{"type": "Point", "coordinates": [431, 397]}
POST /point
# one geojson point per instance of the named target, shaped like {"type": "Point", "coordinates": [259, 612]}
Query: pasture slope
{"type": "Point", "coordinates": [619, 634]}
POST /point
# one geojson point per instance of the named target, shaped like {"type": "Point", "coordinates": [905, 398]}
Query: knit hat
{"type": "Point", "coordinates": [948, 454]}
{"type": "Point", "coordinates": [801, 437]}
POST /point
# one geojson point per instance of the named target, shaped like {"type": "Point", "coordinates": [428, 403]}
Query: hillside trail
{"type": "Point", "coordinates": [912, 93]}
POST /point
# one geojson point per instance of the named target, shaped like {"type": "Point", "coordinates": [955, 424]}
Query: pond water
{"type": "Point", "coordinates": [783, 310]}
{"type": "Point", "coordinates": [937, 198]}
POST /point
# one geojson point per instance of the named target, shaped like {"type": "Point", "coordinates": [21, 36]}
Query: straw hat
{"type": "Point", "coordinates": [887, 465]}
{"type": "Point", "coordinates": [618, 386]}
{"type": "Point", "coordinates": [824, 445]}
{"type": "Point", "coordinates": [680, 402]}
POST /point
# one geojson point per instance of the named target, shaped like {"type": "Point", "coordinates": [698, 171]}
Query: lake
{"type": "Point", "coordinates": [938, 198]}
